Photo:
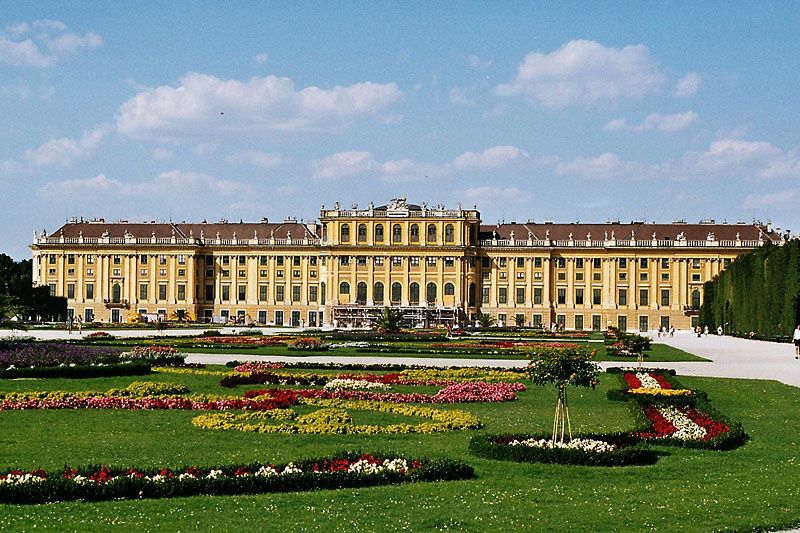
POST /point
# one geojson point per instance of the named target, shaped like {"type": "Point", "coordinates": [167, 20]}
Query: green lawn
{"type": "Point", "coordinates": [751, 487]}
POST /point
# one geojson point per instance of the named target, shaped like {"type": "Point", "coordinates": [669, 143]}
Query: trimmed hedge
{"type": "Point", "coordinates": [57, 487]}
{"type": "Point", "coordinates": [633, 452]}
{"type": "Point", "coordinates": [132, 368]}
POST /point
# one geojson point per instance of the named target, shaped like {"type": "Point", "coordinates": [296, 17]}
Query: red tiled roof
{"type": "Point", "coordinates": [226, 230]}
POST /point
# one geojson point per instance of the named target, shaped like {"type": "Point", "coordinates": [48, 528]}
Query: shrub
{"type": "Point", "coordinates": [127, 368]}
{"type": "Point", "coordinates": [160, 355]}
{"type": "Point", "coordinates": [139, 389]}
{"type": "Point", "coordinates": [311, 344]}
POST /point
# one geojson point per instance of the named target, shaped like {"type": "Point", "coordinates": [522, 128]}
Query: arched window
{"type": "Point", "coordinates": [449, 233]}
{"type": "Point", "coordinates": [116, 293]}
{"type": "Point", "coordinates": [430, 293]}
{"type": "Point", "coordinates": [397, 292]}
{"type": "Point", "coordinates": [379, 233]}
{"type": "Point", "coordinates": [361, 293]}
{"type": "Point", "coordinates": [449, 289]}
{"type": "Point", "coordinates": [431, 232]}
{"type": "Point", "coordinates": [324, 232]}
{"type": "Point", "coordinates": [362, 233]}
{"type": "Point", "coordinates": [413, 294]}
{"type": "Point", "coordinates": [377, 293]}
{"type": "Point", "coordinates": [397, 233]}
{"type": "Point", "coordinates": [322, 296]}
{"type": "Point", "coordinates": [344, 233]}
{"type": "Point", "coordinates": [414, 233]}
{"type": "Point", "coordinates": [695, 299]}
{"type": "Point", "coordinates": [471, 298]}
{"type": "Point", "coordinates": [344, 288]}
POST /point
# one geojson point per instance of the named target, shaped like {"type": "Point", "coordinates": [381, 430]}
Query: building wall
{"type": "Point", "coordinates": [583, 287]}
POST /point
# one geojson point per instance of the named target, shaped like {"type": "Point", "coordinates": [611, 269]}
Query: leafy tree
{"type": "Point", "coordinates": [519, 320]}
{"type": "Point", "coordinates": [486, 320]}
{"type": "Point", "coordinates": [389, 321]}
{"type": "Point", "coordinates": [562, 367]}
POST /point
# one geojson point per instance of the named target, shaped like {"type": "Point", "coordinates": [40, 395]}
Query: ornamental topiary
{"type": "Point", "coordinates": [562, 367]}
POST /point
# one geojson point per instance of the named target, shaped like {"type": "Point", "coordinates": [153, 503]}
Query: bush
{"type": "Point", "coordinates": [128, 368]}
{"type": "Point", "coordinates": [157, 355]}
{"type": "Point", "coordinates": [211, 333]}
{"type": "Point", "coordinates": [139, 389]}
{"type": "Point", "coordinates": [311, 344]}
{"type": "Point", "coordinates": [631, 452]}
{"type": "Point", "coordinates": [250, 332]}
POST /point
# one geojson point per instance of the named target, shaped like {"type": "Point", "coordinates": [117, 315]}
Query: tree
{"type": "Point", "coordinates": [486, 320]}
{"type": "Point", "coordinates": [519, 320]}
{"type": "Point", "coordinates": [389, 321]}
{"type": "Point", "coordinates": [562, 367]}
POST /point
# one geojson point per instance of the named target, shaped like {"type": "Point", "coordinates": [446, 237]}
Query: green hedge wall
{"type": "Point", "coordinates": [758, 295]}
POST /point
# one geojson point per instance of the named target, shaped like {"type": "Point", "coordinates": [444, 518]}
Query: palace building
{"type": "Point", "coordinates": [438, 266]}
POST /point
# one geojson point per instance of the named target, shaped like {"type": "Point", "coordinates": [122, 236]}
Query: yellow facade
{"type": "Point", "coordinates": [439, 266]}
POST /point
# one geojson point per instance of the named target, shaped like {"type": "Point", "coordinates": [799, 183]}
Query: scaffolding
{"type": "Point", "coordinates": [364, 316]}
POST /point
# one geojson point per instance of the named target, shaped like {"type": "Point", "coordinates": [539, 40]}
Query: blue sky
{"type": "Point", "coordinates": [192, 111]}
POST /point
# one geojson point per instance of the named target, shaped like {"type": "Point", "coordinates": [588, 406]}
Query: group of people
{"type": "Point", "coordinates": [664, 331]}
{"type": "Point", "coordinates": [76, 322]}
{"type": "Point", "coordinates": [704, 331]}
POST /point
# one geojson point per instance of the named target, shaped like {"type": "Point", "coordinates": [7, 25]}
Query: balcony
{"type": "Point", "coordinates": [116, 304]}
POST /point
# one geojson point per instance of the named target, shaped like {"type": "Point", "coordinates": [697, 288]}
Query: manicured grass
{"type": "Point", "coordinates": [690, 490]}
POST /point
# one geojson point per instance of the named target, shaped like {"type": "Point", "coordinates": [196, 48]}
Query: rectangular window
{"type": "Point", "coordinates": [695, 277]}
{"type": "Point", "coordinates": [397, 260]}
{"type": "Point", "coordinates": [378, 260]}
{"type": "Point", "coordinates": [449, 262]}
{"type": "Point", "coordinates": [279, 293]}
{"type": "Point", "coordinates": [596, 323]}
{"type": "Point", "coordinates": [295, 273]}
{"type": "Point", "coordinates": [181, 259]}
{"type": "Point", "coordinates": [623, 262]}
{"type": "Point", "coordinates": [502, 295]}
{"type": "Point", "coordinates": [70, 290]}
{"type": "Point", "coordinates": [263, 260]}
{"type": "Point", "coordinates": [312, 261]}
{"type": "Point", "coordinates": [537, 275]}
{"type": "Point", "coordinates": [578, 296]}
{"type": "Point", "coordinates": [90, 261]}
{"type": "Point", "coordinates": [262, 317]}
{"type": "Point", "coordinates": [665, 276]}
{"type": "Point", "coordinates": [665, 297]}
{"type": "Point", "coordinates": [622, 297]}
{"type": "Point", "coordinates": [344, 260]}
{"type": "Point", "coordinates": [90, 291]}
{"type": "Point", "coordinates": [597, 296]}
{"type": "Point", "coordinates": [312, 274]}
{"type": "Point", "coordinates": [116, 272]}
{"type": "Point", "coordinates": [209, 272]}
{"type": "Point", "coordinates": [70, 272]}
{"type": "Point", "coordinates": [695, 263]}
{"type": "Point", "coordinates": [52, 287]}
{"type": "Point", "coordinates": [726, 263]}
{"type": "Point", "coordinates": [262, 293]}
{"type": "Point", "coordinates": [643, 262]}
{"type": "Point", "coordinates": [162, 259]}
{"type": "Point", "coordinates": [597, 262]}
{"type": "Point", "coordinates": [117, 260]}
{"type": "Point", "coordinates": [537, 262]}
{"type": "Point", "coordinates": [561, 320]}
{"type": "Point", "coordinates": [279, 261]}
{"type": "Point", "coordinates": [562, 262]}
{"type": "Point", "coordinates": [537, 321]}
{"type": "Point", "coordinates": [486, 262]}
{"type": "Point", "coordinates": [503, 275]}
{"type": "Point", "coordinates": [561, 276]}
{"type": "Point", "coordinates": [296, 293]}
{"type": "Point", "coordinates": [561, 296]}
{"type": "Point", "coordinates": [665, 323]}
{"type": "Point", "coordinates": [520, 295]}
{"type": "Point", "coordinates": [431, 261]}
{"type": "Point", "coordinates": [226, 293]}
{"type": "Point", "coordinates": [622, 323]}
{"type": "Point", "coordinates": [182, 272]}
{"type": "Point", "coordinates": [644, 297]}
{"type": "Point", "coordinates": [484, 295]}
{"type": "Point", "coordinates": [312, 293]}
{"type": "Point", "coordinates": [520, 275]}
{"type": "Point", "coordinates": [209, 292]}
{"type": "Point", "coordinates": [413, 261]}
{"type": "Point", "coordinates": [520, 262]}
{"type": "Point", "coordinates": [242, 273]}
{"type": "Point", "coordinates": [51, 259]}
{"type": "Point", "coordinates": [623, 276]}
{"type": "Point", "coordinates": [209, 260]}
{"type": "Point", "coordinates": [181, 292]}
{"type": "Point", "coordinates": [579, 322]}
{"type": "Point", "coordinates": [485, 274]}
{"type": "Point", "coordinates": [278, 318]}
{"type": "Point", "coordinates": [226, 273]}
{"type": "Point", "coordinates": [361, 260]}
{"type": "Point", "coordinates": [537, 296]}
{"type": "Point", "coordinates": [578, 276]}
{"type": "Point", "coordinates": [664, 262]}
{"type": "Point", "coordinates": [262, 273]}
{"type": "Point", "coordinates": [643, 276]}
{"type": "Point", "coordinates": [502, 262]}
{"type": "Point", "coordinates": [242, 292]}
{"type": "Point", "coordinates": [644, 323]}
{"type": "Point", "coordinates": [579, 262]}
{"type": "Point", "coordinates": [162, 291]}
{"type": "Point", "coordinates": [71, 259]}
{"type": "Point", "coordinates": [143, 291]}
{"type": "Point", "coordinates": [296, 260]}
{"type": "Point", "coordinates": [279, 273]}
{"type": "Point", "coordinates": [161, 272]}
{"type": "Point", "coordinates": [501, 319]}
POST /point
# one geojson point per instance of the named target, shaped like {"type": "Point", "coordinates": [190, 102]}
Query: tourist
{"type": "Point", "coordinates": [796, 339]}
{"type": "Point", "coordinates": [671, 331]}
{"type": "Point", "coordinates": [719, 331]}
{"type": "Point", "coordinates": [79, 322]}
{"type": "Point", "coordinates": [698, 331]}
{"type": "Point", "coordinates": [705, 331]}
{"type": "Point", "coordinates": [69, 325]}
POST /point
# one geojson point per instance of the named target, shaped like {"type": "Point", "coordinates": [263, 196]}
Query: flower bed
{"type": "Point", "coordinates": [79, 371]}
{"type": "Point", "coordinates": [36, 354]}
{"type": "Point", "coordinates": [155, 354]}
{"type": "Point", "coordinates": [652, 385]}
{"type": "Point", "coordinates": [106, 483]}
{"type": "Point", "coordinates": [689, 426]}
{"type": "Point", "coordinates": [333, 419]}
{"type": "Point", "coordinates": [453, 393]}
{"type": "Point", "coordinates": [589, 450]}
{"type": "Point", "coordinates": [355, 384]}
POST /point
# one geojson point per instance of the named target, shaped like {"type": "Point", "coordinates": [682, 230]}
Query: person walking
{"type": "Point", "coordinates": [796, 339]}
{"type": "Point", "coordinates": [719, 331]}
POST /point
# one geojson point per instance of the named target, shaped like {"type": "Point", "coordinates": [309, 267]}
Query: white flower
{"type": "Point", "coordinates": [291, 469]}
{"type": "Point", "coordinates": [647, 381]}
{"type": "Point", "coordinates": [587, 445]}
{"type": "Point", "coordinates": [686, 428]}
{"type": "Point", "coordinates": [339, 384]}
{"type": "Point", "coordinates": [266, 471]}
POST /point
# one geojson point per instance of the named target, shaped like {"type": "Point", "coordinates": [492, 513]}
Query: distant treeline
{"type": "Point", "coordinates": [758, 294]}
{"type": "Point", "coordinates": [19, 298]}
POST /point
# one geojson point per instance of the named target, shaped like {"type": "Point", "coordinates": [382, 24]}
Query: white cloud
{"type": "Point", "coordinates": [212, 105]}
{"type": "Point", "coordinates": [65, 151]}
{"type": "Point", "coordinates": [585, 72]}
{"type": "Point", "coordinates": [497, 156]}
{"type": "Point", "coordinates": [259, 159]}
{"type": "Point", "coordinates": [21, 91]}
{"type": "Point", "coordinates": [174, 182]}
{"type": "Point", "coordinates": [776, 200]}
{"type": "Point", "coordinates": [608, 167]}
{"type": "Point", "coordinates": [743, 158]}
{"type": "Point", "coordinates": [655, 121]}
{"type": "Point", "coordinates": [43, 43]}
{"type": "Point", "coordinates": [349, 164]}
{"type": "Point", "coordinates": [162, 154]}
{"type": "Point", "coordinates": [261, 59]}
{"type": "Point", "coordinates": [688, 85]}
{"type": "Point", "coordinates": [458, 97]}
{"type": "Point", "coordinates": [409, 170]}
{"type": "Point", "coordinates": [477, 63]}
{"type": "Point", "coordinates": [495, 195]}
